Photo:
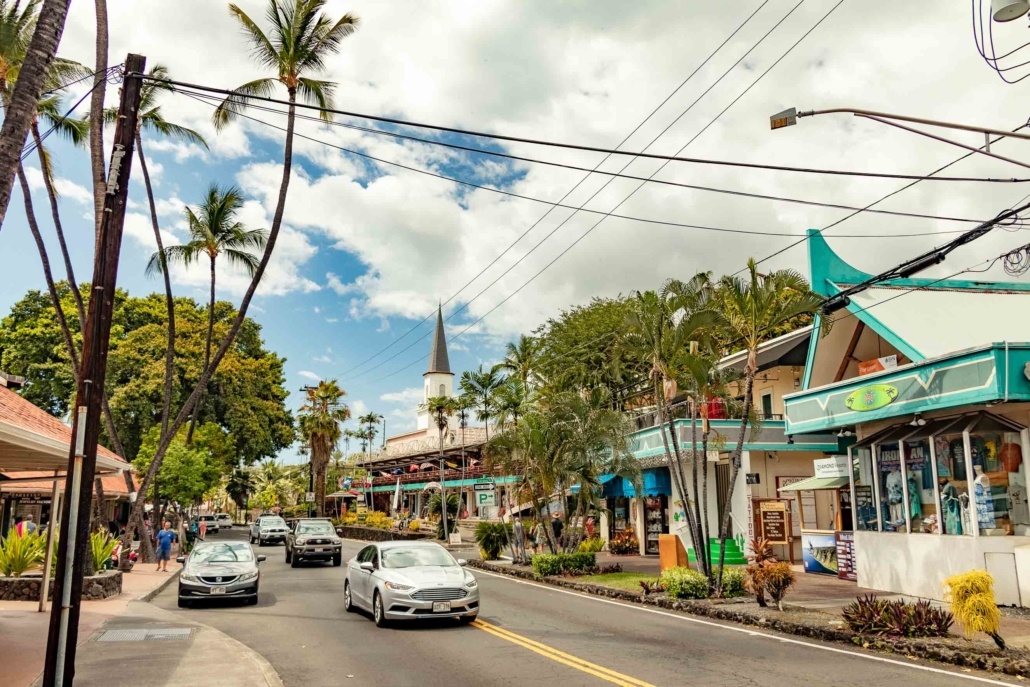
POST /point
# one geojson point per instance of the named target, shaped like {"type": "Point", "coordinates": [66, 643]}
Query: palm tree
{"type": "Point", "coordinates": [152, 121]}
{"type": "Point", "coordinates": [482, 386]}
{"type": "Point", "coordinates": [319, 420]}
{"type": "Point", "coordinates": [370, 422]}
{"type": "Point", "coordinates": [441, 408]}
{"type": "Point", "coordinates": [214, 232]}
{"type": "Point", "coordinates": [240, 486]}
{"type": "Point", "coordinates": [748, 308]}
{"type": "Point", "coordinates": [511, 401]}
{"type": "Point", "coordinates": [522, 359]}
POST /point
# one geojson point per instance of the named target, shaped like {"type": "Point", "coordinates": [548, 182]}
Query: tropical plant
{"type": "Point", "coordinates": [871, 615]}
{"type": "Point", "coordinates": [779, 579]}
{"type": "Point", "coordinates": [683, 583]}
{"type": "Point", "coordinates": [521, 359]}
{"type": "Point", "coordinates": [20, 553]}
{"type": "Point", "coordinates": [481, 387]}
{"type": "Point", "coordinates": [971, 597]}
{"type": "Point", "coordinates": [624, 544]}
{"type": "Point", "coordinates": [440, 408]}
{"type": "Point", "coordinates": [492, 537]}
{"type": "Point", "coordinates": [214, 232]}
{"type": "Point", "coordinates": [592, 545]}
{"type": "Point", "coordinates": [414, 525]}
{"type": "Point", "coordinates": [452, 512]}
{"type": "Point", "coordinates": [733, 583]}
{"type": "Point", "coordinates": [548, 564]}
{"type": "Point", "coordinates": [239, 486]}
{"type": "Point", "coordinates": [102, 546]}
{"type": "Point", "coordinates": [651, 587]}
{"type": "Point", "coordinates": [369, 423]}
{"type": "Point", "coordinates": [511, 401]}
{"type": "Point", "coordinates": [754, 575]}
{"type": "Point", "coordinates": [319, 421]}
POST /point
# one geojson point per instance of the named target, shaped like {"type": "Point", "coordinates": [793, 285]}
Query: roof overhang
{"type": "Point", "coordinates": [21, 449]}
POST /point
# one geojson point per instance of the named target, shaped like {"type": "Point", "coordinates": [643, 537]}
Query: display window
{"type": "Point", "coordinates": [865, 512]}
{"type": "Point", "coordinates": [997, 484]}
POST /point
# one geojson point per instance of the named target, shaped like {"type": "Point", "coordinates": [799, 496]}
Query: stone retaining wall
{"type": "Point", "coordinates": [375, 534]}
{"type": "Point", "coordinates": [94, 587]}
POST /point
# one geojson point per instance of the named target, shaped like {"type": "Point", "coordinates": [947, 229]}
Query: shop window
{"type": "Point", "coordinates": [922, 502]}
{"type": "Point", "coordinates": [865, 496]}
{"type": "Point", "coordinates": [954, 483]}
{"type": "Point", "coordinates": [892, 486]}
{"type": "Point", "coordinates": [998, 484]}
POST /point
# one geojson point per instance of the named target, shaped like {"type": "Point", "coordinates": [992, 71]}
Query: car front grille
{"type": "Point", "coordinates": [440, 594]}
{"type": "Point", "coordinates": [317, 542]}
{"type": "Point", "coordinates": [216, 580]}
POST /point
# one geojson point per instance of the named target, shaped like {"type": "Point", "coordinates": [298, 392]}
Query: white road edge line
{"type": "Point", "coordinates": [753, 633]}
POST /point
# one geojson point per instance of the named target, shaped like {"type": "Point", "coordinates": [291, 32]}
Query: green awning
{"type": "Point", "coordinates": [813, 483]}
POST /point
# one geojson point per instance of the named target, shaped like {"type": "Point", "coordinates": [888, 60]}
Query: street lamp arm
{"type": "Point", "coordinates": [879, 116]}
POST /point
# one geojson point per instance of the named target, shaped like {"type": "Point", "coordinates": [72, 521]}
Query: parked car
{"type": "Point", "coordinates": [407, 580]}
{"type": "Point", "coordinates": [313, 539]}
{"type": "Point", "coordinates": [210, 522]}
{"type": "Point", "coordinates": [268, 528]}
{"type": "Point", "coordinates": [224, 521]}
{"type": "Point", "coordinates": [219, 570]}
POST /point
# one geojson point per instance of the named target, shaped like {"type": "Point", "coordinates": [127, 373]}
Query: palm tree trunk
{"type": "Point", "coordinates": [704, 498]}
{"type": "Point", "coordinates": [96, 114]}
{"type": "Point", "coordinates": [20, 110]}
{"type": "Point", "coordinates": [700, 553]}
{"type": "Point", "coordinates": [207, 355]}
{"type": "Point", "coordinates": [724, 530]}
{"type": "Point", "coordinates": [319, 472]}
{"type": "Point", "coordinates": [443, 489]}
{"type": "Point", "coordinates": [166, 402]}
{"type": "Point", "coordinates": [48, 182]}
{"type": "Point", "coordinates": [675, 458]}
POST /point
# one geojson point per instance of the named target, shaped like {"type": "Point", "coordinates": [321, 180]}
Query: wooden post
{"type": "Point", "coordinates": [64, 618]}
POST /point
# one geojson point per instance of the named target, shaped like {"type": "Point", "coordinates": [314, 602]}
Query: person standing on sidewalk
{"type": "Point", "coordinates": [164, 546]}
{"type": "Point", "coordinates": [556, 527]}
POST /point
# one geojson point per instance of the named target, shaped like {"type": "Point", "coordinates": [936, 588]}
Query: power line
{"type": "Point", "coordinates": [27, 150]}
{"type": "Point", "coordinates": [568, 146]}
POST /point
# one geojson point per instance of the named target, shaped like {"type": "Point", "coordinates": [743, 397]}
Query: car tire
{"type": "Point", "coordinates": [289, 556]}
{"type": "Point", "coordinates": [295, 562]}
{"type": "Point", "coordinates": [338, 560]}
{"type": "Point", "coordinates": [348, 602]}
{"type": "Point", "coordinates": [378, 612]}
{"type": "Point", "coordinates": [184, 603]}
{"type": "Point", "coordinates": [261, 542]}
{"type": "Point", "coordinates": [251, 537]}
{"type": "Point", "coordinates": [252, 601]}
{"type": "Point", "coordinates": [466, 619]}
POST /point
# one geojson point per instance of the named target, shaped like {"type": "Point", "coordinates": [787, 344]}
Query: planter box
{"type": "Point", "coordinates": [94, 587]}
{"type": "Point", "coordinates": [374, 534]}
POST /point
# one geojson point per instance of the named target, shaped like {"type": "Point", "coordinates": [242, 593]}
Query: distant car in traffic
{"type": "Point", "coordinates": [406, 580]}
{"type": "Point", "coordinates": [219, 570]}
{"type": "Point", "coordinates": [210, 523]}
{"type": "Point", "coordinates": [224, 520]}
{"type": "Point", "coordinates": [313, 539]}
{"type": "Point", "coordinates": [267, 529]}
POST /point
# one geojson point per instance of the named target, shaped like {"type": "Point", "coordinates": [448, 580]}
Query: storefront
{"type": "Point", "coordinates": [645, 514]}
{"type": "Point", "coordinates": [827, 537]}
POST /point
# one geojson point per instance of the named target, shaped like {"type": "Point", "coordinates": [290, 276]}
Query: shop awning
{"type": "Point", "coordinates": [602, 480]}
{"type": "Point", "coordinates": [656, 482]}
{"type": "Point", "coordinates": [813, 483]}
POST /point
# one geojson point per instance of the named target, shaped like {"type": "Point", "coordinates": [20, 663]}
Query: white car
{"type": "Point", "coordinates": [268, 528]}
{"type": "Point", "coordinates": [410, 580]}
{"type": "Point", "coordinates": [224, 521]}
{"type": "Point", "coordinates": [210, 523]}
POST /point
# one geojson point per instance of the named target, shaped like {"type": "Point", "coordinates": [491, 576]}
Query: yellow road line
{"type": "Point", "coordinates": [561, 657]}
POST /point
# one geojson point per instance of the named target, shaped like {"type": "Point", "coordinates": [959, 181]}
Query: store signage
{"type": "Point", "coordinates": [872, 397]}
{"type": "Point", "coordinates": [309, 497]}
{"type": "Point", "coordinates": [846, 556]}
{"type": "Point", "coordinates": [868, 367]}
{"type": "Point", "coordinates": [837, 466]}
{"type": "Point", "coordinates": [362, 512]}
{"type": "Point", "coordinates": [753, 478]}
{"type": "Point", "coordinates": [772, 518]}
{"type": "Point", "coordinates": [486, 498]}
{"type": "Point", "coordinates": [483, 486]}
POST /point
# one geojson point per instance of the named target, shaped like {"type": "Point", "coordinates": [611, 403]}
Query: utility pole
{"type": "Point", "coordinates": [71, 557]}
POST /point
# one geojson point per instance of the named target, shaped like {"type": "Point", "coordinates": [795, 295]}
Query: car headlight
{"type": "Point", "coordinates": [398, 587]}
{"type": "Point", "coordinates": [248, 576]}
{"type": "Point", "coordinates": [187, 577]}
{"type": "Point", "coordinates": [472, 584]}
{"type": "Point", "coordinates": [301, 541]}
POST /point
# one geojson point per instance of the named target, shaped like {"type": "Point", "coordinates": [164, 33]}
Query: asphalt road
{"type": "Point", "coordinates": [529, 635]}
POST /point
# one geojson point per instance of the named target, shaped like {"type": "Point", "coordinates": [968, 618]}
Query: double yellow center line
{"type": "Point", "coordinates": [561, 657]}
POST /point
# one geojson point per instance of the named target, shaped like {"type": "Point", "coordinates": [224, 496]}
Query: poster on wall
{"type": "Point", "coordinates": [819, 553]}
{"type": "Point", "coordinates": [772, 519]}
{"type": "Point", "coordinates": [846, 556]}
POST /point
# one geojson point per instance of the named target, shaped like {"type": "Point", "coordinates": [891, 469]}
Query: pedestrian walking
{"type": "Point", "coordinates": [556, 527]}
{"type": "Point", "coordinates": [520, 537]}
{"type": "Point", "coordinates": [25, 526]}
{"type": "Point", "coordinates": [164, 546]}
{"type": "Point", "coordinates": [540, 538]}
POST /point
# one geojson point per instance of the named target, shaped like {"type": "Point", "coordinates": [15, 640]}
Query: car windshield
{"type": "Point", "coordinates": [315, 528]}
{"type": "Point", "coordinates": [222, 553]}
{"type": "Point", "coordinates": [273, 522]}
{"type": "Point", "coordinates": [416, 556]}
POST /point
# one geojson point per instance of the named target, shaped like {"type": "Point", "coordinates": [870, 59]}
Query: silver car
{"type": "Point", "coordinates": [219, 570]}
{"type": "Point", "coordinates": [406, 580]}
{"type": "Point", "coordinates": [268, 528]}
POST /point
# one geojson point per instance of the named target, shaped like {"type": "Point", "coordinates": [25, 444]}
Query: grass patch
{"type": "Point", "coordinates": [620, 580]}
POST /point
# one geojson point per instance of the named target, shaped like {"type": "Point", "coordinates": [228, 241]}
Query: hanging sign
{"type": "Point", "coordinates": [837, 466]}
{"type": "Point", "coordinates": [772, 519]}
{"type": "Point", "coordinates": [846, 556]}
{"type": "Point", "coordinates": [868, 367]}
{"type": "Point", "coordinates": [872, 397]}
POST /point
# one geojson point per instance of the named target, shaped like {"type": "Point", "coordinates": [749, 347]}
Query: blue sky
{"type": "Point", "coordinates": [368, 250]}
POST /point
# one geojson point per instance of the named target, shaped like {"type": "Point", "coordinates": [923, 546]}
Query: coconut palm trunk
{"type": "Point", "coordinates": [207, 353]}
{"type": "Point", "coordinates": [735, 457]}
{"type": "Point", "coordinates": [96, 114]}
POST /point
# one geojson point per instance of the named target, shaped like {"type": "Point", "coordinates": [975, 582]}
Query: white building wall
{"type": "Point", "coordinates": [738, 523]}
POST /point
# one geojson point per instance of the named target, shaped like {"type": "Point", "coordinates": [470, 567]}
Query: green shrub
{"type": "Point", "coordinates": [684, 583]}
{"type": "Point", "coordinates": [492, 538]}
{"type": "Point", "coordinates": [592, 545]}
{"type": "Point", "coordinates": [547, 564]}
{"type": "Point", "coordinates": [624, 544]}
{"type": "Point", "coordinates": [102, 545]}
{"type": "Point", "coordinates": [779, 578]}
{"type": "Point", "coordinates": [20, 553]}
{"type": "Point", "coordinates": [870, 615]}
{"type": "Point", "coordinates": [733, 583]}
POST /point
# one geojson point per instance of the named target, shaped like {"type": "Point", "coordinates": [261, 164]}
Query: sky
{"type": "Point", "coordinates": [368, 249]}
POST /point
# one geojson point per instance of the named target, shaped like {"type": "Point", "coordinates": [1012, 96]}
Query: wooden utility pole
{"type": "Point", "coordinates": [71, 555]}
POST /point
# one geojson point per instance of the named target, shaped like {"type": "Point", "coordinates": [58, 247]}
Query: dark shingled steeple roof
{"type": "Point", "coordinates": [438, 361]}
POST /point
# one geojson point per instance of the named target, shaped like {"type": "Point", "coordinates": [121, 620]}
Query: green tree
{"type": "Point", "coordinates": [214, 232]}
{"type": "Point", "coordinates": [511, 401]}
{"type": "Point", "coordinates": [369, 423]}
{"type": "Point", "coordinates": [188, 471]}
{"type": "Point", "coordinates": [319, 421]}
{"type": "Point", "coordinates": [481, 387]}
{"type": "Point", "coordinates": [440, 409]}
{"type": "Point", "coordinates": [522, 358]}
{"type": "Point", "coordinates": [239, 486]}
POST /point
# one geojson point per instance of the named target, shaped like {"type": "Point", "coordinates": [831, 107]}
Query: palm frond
{"type": "Point", "coordinates": [233, 105]}
{"type": "Point", "coordinates": [261, 47]}
{"type": "Point", "coordinates": [318, 93]}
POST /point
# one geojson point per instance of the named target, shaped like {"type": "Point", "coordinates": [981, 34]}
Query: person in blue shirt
{"type": "Point", "coordinates": [164, 546]}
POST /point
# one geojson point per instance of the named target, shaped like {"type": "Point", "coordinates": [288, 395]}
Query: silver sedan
{"type": "Point", "coordinates": [219, 570]}
{"type": "Point", "coordinates": [404, 580]}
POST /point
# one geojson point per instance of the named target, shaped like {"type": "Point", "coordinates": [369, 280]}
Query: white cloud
{"type": "Point", "coordinates": [64, 187]}
{"type": "Point", "coordinates": [307, 374]}
{"type": "Point", "coordinates": [409, 397]}
{"type": "Point", "coordinates": [322, 359]}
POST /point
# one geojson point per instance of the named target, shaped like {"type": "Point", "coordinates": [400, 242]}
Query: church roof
{"type": "Point", "coordinates": [438, 361]}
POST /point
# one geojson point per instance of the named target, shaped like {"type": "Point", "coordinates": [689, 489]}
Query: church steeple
{"type": "Point", "coordinates": [438, 361]}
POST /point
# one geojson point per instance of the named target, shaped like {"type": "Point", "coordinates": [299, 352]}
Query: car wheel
{"type": "Point", "coordinates": [295, 562]}
{"type": "Point", "coordinates": [469, 618]}
{"type": "Point", "coordinates": [348, 602]}
{"type": "Point", "coordinates": [261, 542]}
{"type": "Point", "coordinates": [378, 614]}
{"type": "Point", "coordinates": [289, 556]}
{"type": "Point", "coordinates": [252, 601]}
{"type": "Point", "coordinates": [338, 560]}
{"type": "Point", "coordinates": [184, 603]}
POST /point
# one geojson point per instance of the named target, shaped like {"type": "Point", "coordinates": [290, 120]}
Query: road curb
{"type": "Point", "coordinates": [1010, 662]}
{"type": "Point", "coordinates": [159, 588]}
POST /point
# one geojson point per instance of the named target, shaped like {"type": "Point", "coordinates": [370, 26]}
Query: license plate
{"type": "Point", "coordinates": [218, 590]}
{"type": "Point", "coordinates": [441, 607]}
{"type": "Point", "coordinates": [319, 550]}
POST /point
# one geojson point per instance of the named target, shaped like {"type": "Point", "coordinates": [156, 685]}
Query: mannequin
{"type": "Point", "coordinates": [952, 509]}
{"type": "Point", "coordinates": [915, 504]}
{"type": "Point", "coordinates": [982, 497]}
{"type": "Point", "coordinates": [895, 485]}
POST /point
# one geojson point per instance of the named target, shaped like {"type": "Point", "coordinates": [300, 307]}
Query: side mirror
{"type": "Point", "coordinates": [261, 559]}
{"type": "Point", "coordinates": [367, 565]}
{"type": "Point", "coordinates": [180, 559]}
{"type": "Point", "coordinates": [462, 562]}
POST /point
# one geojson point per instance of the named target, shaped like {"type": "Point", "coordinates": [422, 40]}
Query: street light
{"type": "Point", "coordinates": [790, 117]}
{"type": "Point", "coordinates": [1009, 10]}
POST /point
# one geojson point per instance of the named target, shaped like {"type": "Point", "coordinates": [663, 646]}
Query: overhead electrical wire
{"type": "Point", "coordinates": [582, 236]}
{"type": "Point", "coordinates": [29, 148]}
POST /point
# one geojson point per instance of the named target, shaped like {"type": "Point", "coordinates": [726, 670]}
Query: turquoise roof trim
{"type": "Point", "coordinates": [813, 342]}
